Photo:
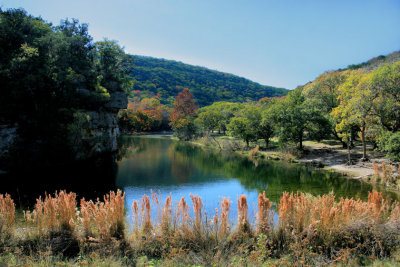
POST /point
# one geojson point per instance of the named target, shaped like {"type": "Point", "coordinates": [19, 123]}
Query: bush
{"type": "Point", "coordinates": [393, 147]}
{"type": "Point", "coordinates": [390, 142]}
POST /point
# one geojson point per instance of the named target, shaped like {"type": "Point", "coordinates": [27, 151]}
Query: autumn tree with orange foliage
{"type": "Point", "coordinates": [147, 114]}
{"type": "Point", "coordinates": [183, 115]}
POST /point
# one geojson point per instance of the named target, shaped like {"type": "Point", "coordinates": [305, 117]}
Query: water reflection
{"type": "Point", "coordinates": [90, 179]}
{"type": "Point", "coordinates": [166, 166]}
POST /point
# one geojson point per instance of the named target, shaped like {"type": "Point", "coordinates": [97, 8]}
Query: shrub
{"type": "Point", "coordinates": [390, 142]}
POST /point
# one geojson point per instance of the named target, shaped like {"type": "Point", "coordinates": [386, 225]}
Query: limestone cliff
{"type": "Point", "coordinates": [98, 129]}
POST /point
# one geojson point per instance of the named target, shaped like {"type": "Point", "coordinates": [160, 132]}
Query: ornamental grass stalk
{"type": "Point", "coordinates": [376, 171]}
{"type": "Point", "coordinates": [243, 220]}
{"type": "Point", "coordinates": [183, 209]}
{"type": "Point", "coordinates": [264, 214]}
{"type": "Point", "coordinates": [7, 214]}
{"type": "Point", "coordinates": [197, 206]}
{"type": "Point", "coordinates": [104, 219]}
{"type": "Point", "coordinates": [58, 213]}
{"type": "Point", "coordinates": [225, 207]}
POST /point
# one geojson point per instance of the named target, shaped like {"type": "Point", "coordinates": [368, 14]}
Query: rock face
{"type": "Point", "coordinates": [92, 133]}
{"type": "Point", "coordinates": [100, 129]}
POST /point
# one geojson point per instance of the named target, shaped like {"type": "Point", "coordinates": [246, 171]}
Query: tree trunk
{"type": "Point", "coordinates": [247, 144]}
{"type": "Point", "coordinates": [301, 142]}
{"type": "Point", "coordinates": [364, 144]}
{"type": "Point", "coordinates": [348, 151]}
{"type": "Point", "coordinates": [266, 142]}
{"type": "Point", "coordinates": [335, 134]}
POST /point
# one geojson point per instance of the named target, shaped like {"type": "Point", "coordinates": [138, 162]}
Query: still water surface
{"type": "Point", "coordinates": [165, 166]}
{"type": "Point", "coordinates": [159, 164]}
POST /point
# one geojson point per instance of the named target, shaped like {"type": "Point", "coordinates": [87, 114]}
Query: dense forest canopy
{"type": "Point", "coordinates": [166, 78]}
{"type": "Point", "coordinates": [359, 103]}
{"type": "Point", "coordinates": [375, 62]}
{"type": "Point", "coordinates": [50, 76]}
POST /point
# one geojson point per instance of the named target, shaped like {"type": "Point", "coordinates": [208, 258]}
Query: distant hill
{"type": "Point", "coordinates": [167, 78]}
{"type": "Point", "coordinates": [377, 61]}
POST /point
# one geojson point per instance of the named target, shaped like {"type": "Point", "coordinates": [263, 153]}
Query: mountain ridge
{"type": "Point", "coordinates": [166, 78]}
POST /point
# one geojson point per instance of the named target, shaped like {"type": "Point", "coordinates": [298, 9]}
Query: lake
{"type": "Point", "coordinates": [164, 166]}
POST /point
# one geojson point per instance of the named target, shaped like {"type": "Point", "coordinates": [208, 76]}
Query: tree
{"type": "Point", "coordinates": [49, 76]}
{"type": "Point", "coordinates": [183, 114]}
{"type": "Point", "coordinates": [239, 127]}
{"type": "Point", "coordinates": [323, 93]}
{"type": "Point", "coordinates": [356, 104]}
{"type": "Point", "coordinates": [247, 124]}
{"type": "Point", "coordinates": [268, 124]}
{"type": "Point", "coordinates": [296, 120]}
{"type": "Point", "coordinates": [114, 66]}
{"type": "Point", "coordinates": [385, 83]}
{"type": "Point", "coordinates": [209, 120]}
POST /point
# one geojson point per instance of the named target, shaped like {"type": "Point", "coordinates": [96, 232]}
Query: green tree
{"type": "Point", "coordinates": [268, 124]}
{"type": "Point", "coordinates": [385, 84]}
{"type": "Point", "coordinates": [356, 105]}
{"type": "Point", "coordinates": [48, 76]}
{"type": "Point", "coordinates": [323, 93]}
{"type": "Point", "coordinates": [209, 120]}
{"type": "Point", "coordinates": [247, 124]}
{"type": "Point", "coordinates": [296, 120]}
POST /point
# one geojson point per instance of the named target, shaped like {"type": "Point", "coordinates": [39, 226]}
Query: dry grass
{"type": "Point", "coordinates": [384, 173]}
{"type": "Point", "coordinates": [197, 206]}
{"type": "Point", "coordinates": [376, 171]}
{"type": "Point", "coordinates": [225, 207]}
{"type": "Point", "coordinates": [310, 230]}
{"type": "Point", "coordinates": [183, 209]}
{"type": "Point", "coordinates": [387, 177]}
{"type": "Point", "coordinates": [7, 214]}
{"type": "Point", "coordinates": [243, 220]}
{"type": "Point", "coordinates": [301, 212]}
{"type": "Point", "coordinates": [58, 213]}
{"type": "Point", "coordinates": [264, 215]}
{"type": "Point", "coordinates": [253, 152]}
{"type": "Point", "coordinates": [104, 220]}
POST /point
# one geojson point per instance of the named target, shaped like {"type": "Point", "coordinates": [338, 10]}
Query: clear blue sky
{"type": "Point", "coordinates": [274, 42]}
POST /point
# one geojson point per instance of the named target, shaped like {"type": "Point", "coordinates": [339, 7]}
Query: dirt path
{"type": "Point", "coordinates": [333, 156]}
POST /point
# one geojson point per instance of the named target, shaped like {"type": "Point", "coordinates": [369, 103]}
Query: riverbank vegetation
{"type": "Point", "coordinates": [299, 230]}
{"type": "Point", "coordinates": [357, 104]}
{"type": "Point", "coordinates": [353, 106]}
{"type": "Point", "coordinates": [347, 105]}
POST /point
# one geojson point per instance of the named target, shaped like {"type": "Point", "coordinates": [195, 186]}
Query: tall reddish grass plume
{"type": "Point", "coordinates": [7, 213]}
{"type": "Point", "coordinates": [243, 220]}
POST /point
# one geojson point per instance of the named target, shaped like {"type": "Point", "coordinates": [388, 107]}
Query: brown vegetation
{"type": "Point", "coordinates": [7, 213]}
{"type": "Point", "coordinates": [387, 177]}
{"type": "Point", "coordinates": [310, 230]}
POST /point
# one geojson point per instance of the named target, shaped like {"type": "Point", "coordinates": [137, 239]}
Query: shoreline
{"type": "Point", "coordinates": [324, 156]}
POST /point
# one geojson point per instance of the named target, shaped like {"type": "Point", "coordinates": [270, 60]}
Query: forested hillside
{"type": "Point", "coordinates": [359, 103]}
{"type": "Point", "coordinates": [377, 61]}
{"type": "Point", "coordinates": [167, 78]}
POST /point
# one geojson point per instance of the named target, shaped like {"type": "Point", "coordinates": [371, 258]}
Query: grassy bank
{"type": "Point", "coordinates": [327, 154]}
{"type": "Point", "coordinates": [309, 231]}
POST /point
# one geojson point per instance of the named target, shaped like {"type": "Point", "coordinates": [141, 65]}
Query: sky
{"type": "Point", "coordinates": [273, 42]}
